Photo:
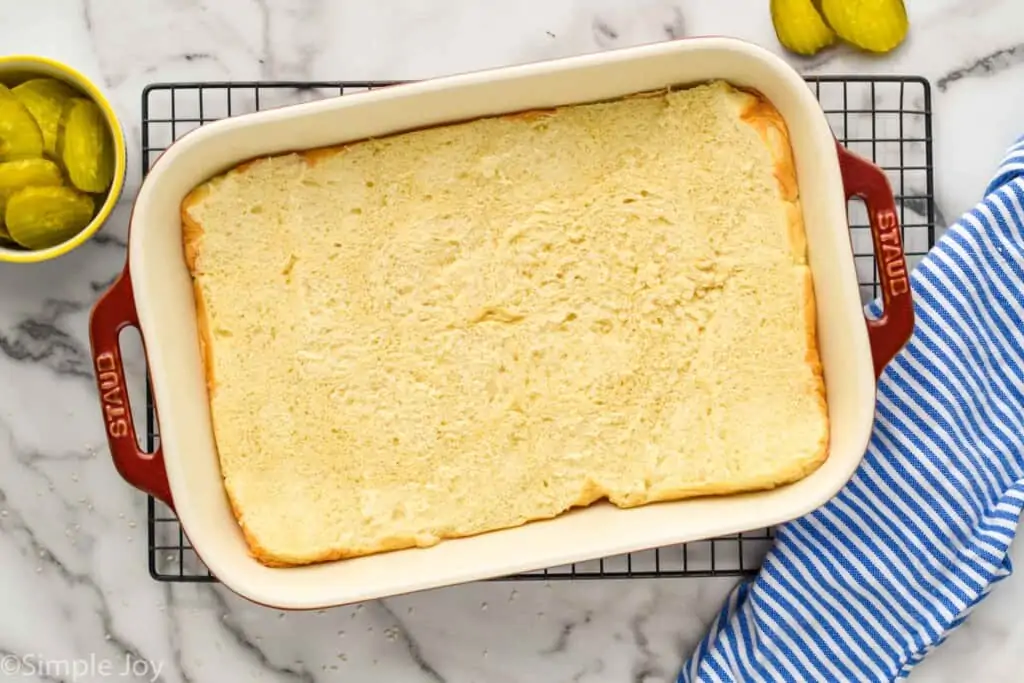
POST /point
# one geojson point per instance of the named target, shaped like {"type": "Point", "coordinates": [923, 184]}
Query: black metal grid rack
{"type": "Point", "coordinates": [887, 119]}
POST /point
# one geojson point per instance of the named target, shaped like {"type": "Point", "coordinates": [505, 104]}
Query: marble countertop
{"type": "Point", "coordinates": [74, 584]}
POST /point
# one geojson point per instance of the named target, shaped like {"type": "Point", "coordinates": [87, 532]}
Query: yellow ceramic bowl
{"type": "Point", "coordinates": [17, 68]}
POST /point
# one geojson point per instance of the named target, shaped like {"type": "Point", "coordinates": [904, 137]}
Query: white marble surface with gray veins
{"type": "Point", "coordinates": [76, 598]}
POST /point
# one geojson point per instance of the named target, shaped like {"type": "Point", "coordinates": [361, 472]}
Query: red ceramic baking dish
{"type": "Point", "coordinates": [154, 294]}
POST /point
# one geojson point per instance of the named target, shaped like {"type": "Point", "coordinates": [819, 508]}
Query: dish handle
{"type": "Point", "coordinates": [890, 332]}
{"type": "Point", "coordinates": [114, 312]}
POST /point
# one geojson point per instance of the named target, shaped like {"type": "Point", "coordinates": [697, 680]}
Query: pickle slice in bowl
{"type": "Point", "coordinates": [20, 173]}
{"type": "Point", "coordinates": [42, 217]}
{"type": "Point", "coordinates": [5, 237]}
{"type": "Point", "coordinates": [45, 99]}
{"type": "Point", "coordinates": [20, 136]}
{"type": "Point", "coordinates": [85, 146]}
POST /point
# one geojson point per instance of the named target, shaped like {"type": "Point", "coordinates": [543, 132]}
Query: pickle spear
{"type": "Point", "coordinates": [872, 25]}
{"type": "Point", "coordinates": [85, 147]}
{"type": "Point", "coordinates": [42, 217]}
{"type": "Point", "coordinates": [20, 136]}
{"type": "Point", "coordinates": [45, 99]}
{"type": "Point", "coordinates": [799, 27]}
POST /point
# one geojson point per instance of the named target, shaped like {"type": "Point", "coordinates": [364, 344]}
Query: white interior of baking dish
{"type": "Point", "coordinates": [164, 298]}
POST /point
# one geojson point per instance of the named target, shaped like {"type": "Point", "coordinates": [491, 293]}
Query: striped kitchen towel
{"type": "Point", "coordinates": [863, 588]}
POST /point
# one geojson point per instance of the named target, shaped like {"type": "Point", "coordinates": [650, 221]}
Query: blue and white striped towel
{"type": "Point", "coordinates": [867, 585]}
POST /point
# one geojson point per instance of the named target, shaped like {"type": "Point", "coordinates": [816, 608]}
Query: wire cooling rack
{"type": "Point", "coordinates": [887, 119]}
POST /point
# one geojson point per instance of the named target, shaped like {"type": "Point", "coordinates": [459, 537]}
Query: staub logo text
{"type": "Point", "coordinates": [892, 252]}
{"type": "Point", "coordinates": [112, 395]}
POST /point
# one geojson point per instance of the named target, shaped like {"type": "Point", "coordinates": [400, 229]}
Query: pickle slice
{"type": "Point", "coordinates": [5, 237]}
{"type": "Point", "coordinates": [45, 99]}
{"type": "Point", "coordinates": [20, 136]}
{"type": "Point", "coordinates": [20, 173]}
{"type": "Point", "coordinates": [41, 217]}
{"type": "Point", "coordinates": [873, 25]}
{"type": "Point", "coordinates": [85, 147]}
{"type": "Point", "coordinates": [799, 27]}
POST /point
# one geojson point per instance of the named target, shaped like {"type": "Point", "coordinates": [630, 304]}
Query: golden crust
{"type": "Point", "coordinates": [761, 115]}
{"type": "Point", "coordinates": [590, 494]}
{"type": "Point", "coordinates": [272, 559]}
{"type": "Point", "coordinates": [814, 362]}
{"type": "Point", "coordinates": [192, 236]}
{"type": "Point", "coordinates": [314, 156]}
{"type": "Point", "coordinates": [205, 342]}
{"type": "Point", "coordinates": [191, 231]}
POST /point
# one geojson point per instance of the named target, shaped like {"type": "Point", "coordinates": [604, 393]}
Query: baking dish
{"type": "Point", "coordinates": [154, 293]}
